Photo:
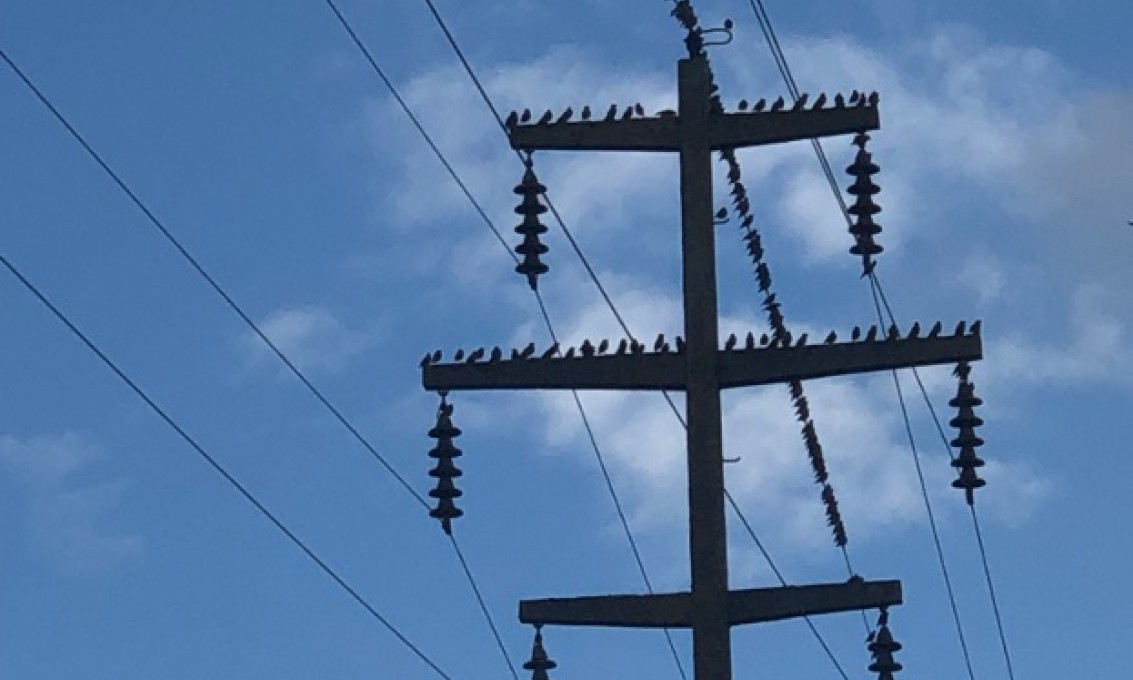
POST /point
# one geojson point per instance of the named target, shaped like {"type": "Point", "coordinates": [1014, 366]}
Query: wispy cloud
{"type": "Point", "coordinates": [869, 460]}
{"type": "Point", "coordinates": [965, 120]}
{"type": "Point", "coordinates": [69, 512]}
{"type": "Point", "coordinates": [311, 337]}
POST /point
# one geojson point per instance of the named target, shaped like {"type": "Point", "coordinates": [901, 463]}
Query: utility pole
{"type": "Point", "coordinates": [699, 367]}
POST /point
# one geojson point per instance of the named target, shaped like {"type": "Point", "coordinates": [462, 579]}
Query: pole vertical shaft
{"type": "Point", "coordinates": [712, 653]}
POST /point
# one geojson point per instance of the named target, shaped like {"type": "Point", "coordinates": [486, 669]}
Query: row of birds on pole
{"type": "Point", "coordinates": [776, 341]}
{"type": "Point", "coordinates": [616, 112]}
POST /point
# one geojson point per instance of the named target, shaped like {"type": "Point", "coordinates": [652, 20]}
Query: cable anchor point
{"type": "Point", "coordinates": [540, 663]}
{"type": "Point", "coordinates": [445, 471]}
{"type": "Point", "coordinates": [881, 647]}
{"type": "Point", "coordinates": [530, 208]}
{"type": "Point", "coordinates": [966, 421]}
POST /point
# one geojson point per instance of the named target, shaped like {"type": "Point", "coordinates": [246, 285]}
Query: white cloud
{"type": "Point", "coordinates": [68, 515]}
{"type": "Point", "coordinates": [959, 113]}
{"type": "Point", "coordinates": [1094, 347]}
{"type": "Point", "coordinates": [857, 421]}
{"type": "Point", "coordinates": [311, 337]}
{"type": "Point", "coordinates": [958, 110]}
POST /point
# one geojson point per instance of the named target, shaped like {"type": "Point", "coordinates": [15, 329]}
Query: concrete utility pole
{"type": "Point", "coordinates": [700, 368]}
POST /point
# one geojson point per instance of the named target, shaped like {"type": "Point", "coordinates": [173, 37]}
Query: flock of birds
{"type": "Point", "coordinates": [615, 112]}
{"type": "Point", "coordinates": [662, 346]}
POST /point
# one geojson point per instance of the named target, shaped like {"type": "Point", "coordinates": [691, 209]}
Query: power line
{"type": "Point", "coordinates": [220, 469]}
{"type": "Point", "coordinates": [998, 615]}
{"type": "Point", "coordinates": [878, 292]}
{"type": "Point", "coordinates": [600, 458]}
{"type": "Point", "coordinates": [483, 605]}
{"type": "Point", "coordinates": [417, 123]}
{"type": "Point", "coordinates": [931, 515]}
{"type": "Point", "coordinates": [613, 492]}
{"type": "Point", "coordinates": [783, 581]}
{"type": "Point", "coordinates": [991, 592]}
{"type": "Point", "coordinates": [244, 316]}
{"type": "Point", "coordinates": [625, 328]}
{"type": "Point", "coordinates": [208, 278]}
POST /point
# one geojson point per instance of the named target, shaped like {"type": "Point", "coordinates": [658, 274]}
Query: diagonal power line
{"type": "Point", "coordinates": [593, 275]}
{"type": "Point", "coordinates": [588, 427]}
{"type": "Point", "coordinates": [220, 469]}
{"type": "Point", "coordinates": [880, 300]}
{"type": "Point", "coordinates": [783, 67]}
{"type": "Point", "coordinates": [204, 274]}
{"type": "Point", "coordinates": [212, 282]}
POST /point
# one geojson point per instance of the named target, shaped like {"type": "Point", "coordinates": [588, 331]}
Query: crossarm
{"type": "Point", "coordinates": [673, 610]}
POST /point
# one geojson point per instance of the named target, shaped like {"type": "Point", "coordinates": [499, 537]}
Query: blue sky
{"type": "Point", "coordinates": [258, 134]}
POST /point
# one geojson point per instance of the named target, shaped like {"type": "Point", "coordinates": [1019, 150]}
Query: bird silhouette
{"type": "Point", "coordinates": [546, 117]}
{"type": "Point", "coordinates": [784, 338]}
{"type": "Point", "coordinates": [743, 105]}
{"type": "Point", "coordinates": [586, 113]}
{"type": "Point", "coordinates": [527, 351]}
{"type": "Point", "coordinates": [622, 346]}
{"type": "Point", "coordinates": [915, 331]}
{"type": "Point", "coordinates": [839, 101]}
{"type": "Point", "coordinates": [777, 105]}
{"type": "Point", "coordinates": [658, 342]}
{"type": "Point", "coordinates": [569, 353]}
{"type": "Point", "coordinates": [426, 360]}
{"type": "Point", "coordinates": [800, 102]}
{"type": "Point", "coordinates": [551, 351]}
{"type": "Point", "coordinates": [639, 110]}
{"type": "Point", "coordinates": [874, 98]}
{"type": "Point", "coordinates": [763, 340]}
{"type": "Point", "coordinates": [856, 334]}
{"type": "Point", "coordinates": [459, 356]}
{"type": "Point", "coordinates": [975, 330]}
{"type": "Point", "coordinates": [960, 328]}
{"type": "Point", "coordinates": [664, 348]}
{"type": "Point", "coordinates": [612, 112]}
{"type": "Point", "coordinates": [730, 343]}
{"type": "Point", "coordinates": [496, 354]}
{"type": "Point", "coordinates": [854, 97]}
{"type": "Point", "coordinates": [476, 355]}
{"type": "Point", "coordinates": [722, 215]}
{"type": "Point", "coordinates": [820, 101]}
{"type": "Point", "coordinates": [893, 333]}
{"type": "Point", "coordinates": [515, 354]}
{"type": "Point", "coordinates": [802, 340]}
{"type": "Point", "coordinates": [871, 334]}
{"type": "Point", "coordinates": [512, 119]}
{"type": "Point", "coordinates": [680, 343]}
{"type": "Point", "coordinates": [832, 338]}
{"type": "Point", "coordinates": [628, 113]}
{"type": "Point", "coordinates": [935, 330]}
{"type": "Point", "coordinates": [586, 348]}
{"type": "Point", "coordinates": [436, 356]}
{"type": "Point", "coordinates": [760, 105]}
{"type": "Point", "coordinates": [566, 115]}
{"type": "Point", "coordinates": [749, 341]}
{"type": "Point", "coordinates": [603, 346]}
{"type": "Point", "coordinates": [636, 347]}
